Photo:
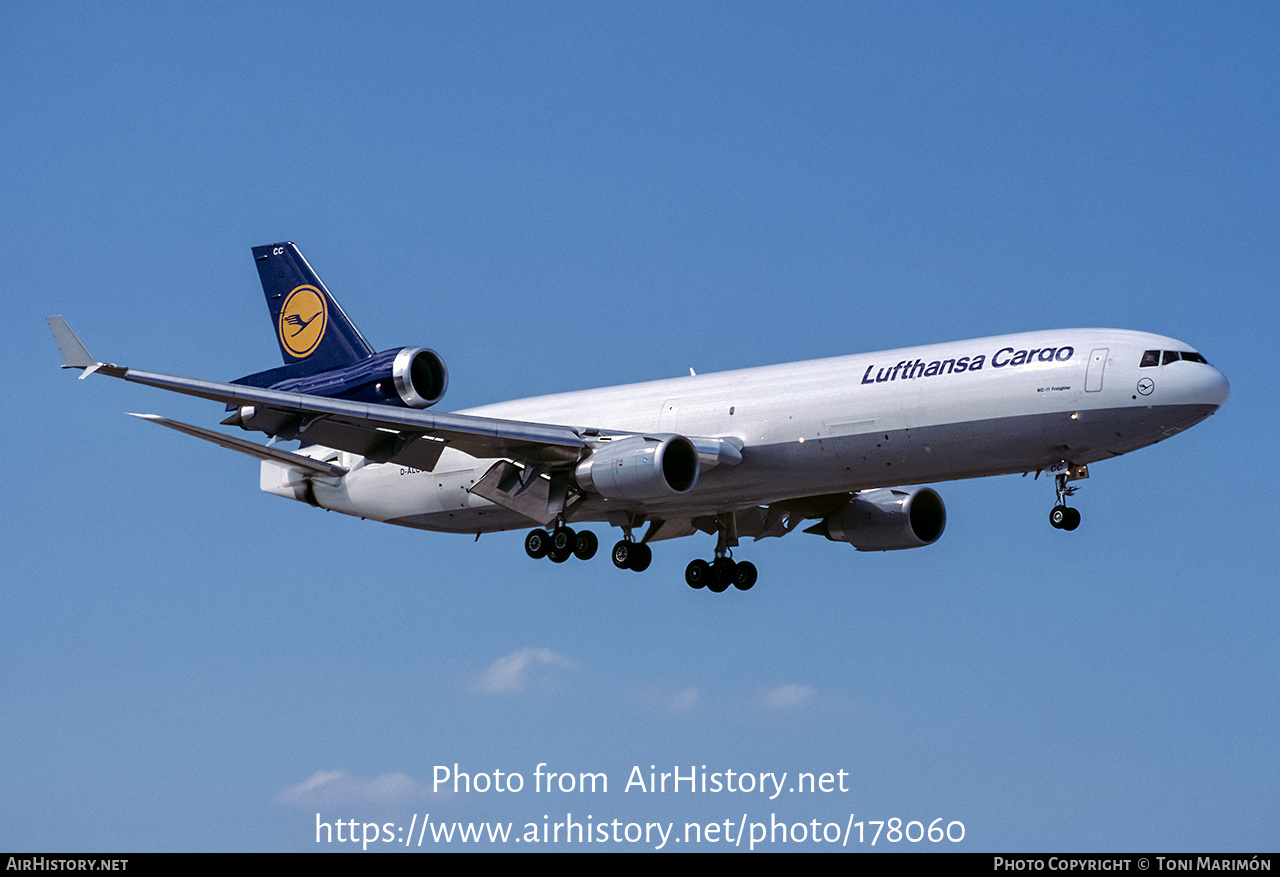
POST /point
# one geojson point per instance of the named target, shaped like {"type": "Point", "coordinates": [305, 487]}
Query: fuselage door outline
{"type": "Point", "coordinates": [1093, 375]}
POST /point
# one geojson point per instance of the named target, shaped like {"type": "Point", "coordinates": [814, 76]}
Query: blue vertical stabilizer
{"type": "Point", "coordinates": [311, 328]}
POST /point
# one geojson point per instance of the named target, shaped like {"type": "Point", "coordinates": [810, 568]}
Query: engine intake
{"type": "Point", "coordinates": [420, 377]}
{"type": "Point", "coordinates": [640, 468]}
{"type": "Point", "coordinates": [415, 377]}
{"type": "Point", "coordinates": [888, 519]}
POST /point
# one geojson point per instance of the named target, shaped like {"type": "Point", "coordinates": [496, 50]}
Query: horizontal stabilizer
{"type": "Point", "coordinates": [253, 449]}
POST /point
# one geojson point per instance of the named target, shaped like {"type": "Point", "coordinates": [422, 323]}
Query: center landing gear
{"type": "Point", "coordinates": [632, 555]}
{"type": "Point", "coordinates": [561, 544]}
{"type": "Point", "coordinates": [1062, 517]}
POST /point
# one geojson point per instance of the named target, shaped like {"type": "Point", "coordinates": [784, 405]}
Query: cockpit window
{"type": "Point", "coordinates": [1152, 358]}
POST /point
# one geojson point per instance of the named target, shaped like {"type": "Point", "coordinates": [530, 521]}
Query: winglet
{"type": "Point", "coordinates": [75, 354]}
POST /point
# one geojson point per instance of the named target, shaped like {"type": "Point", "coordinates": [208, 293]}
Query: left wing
{"type": "Point", "coordinates": [380, 433]}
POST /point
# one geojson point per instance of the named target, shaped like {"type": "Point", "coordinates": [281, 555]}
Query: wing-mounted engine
{"type": "Point", "coordinates": [886, 520]}
{"type": "Point", "coordinates": [415, 377]}
{"type": "Point", "coordinates": [640, 467]}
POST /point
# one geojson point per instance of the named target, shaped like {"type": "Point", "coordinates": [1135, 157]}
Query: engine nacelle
{"type": "Point", "coordinates": [640, 468]}
{"type": "Point", "coordinates": [887, 520]}
{"type": "Point", "coordinates": [419, 376]}
{"type": "Point", "coordinates": [415, 377]}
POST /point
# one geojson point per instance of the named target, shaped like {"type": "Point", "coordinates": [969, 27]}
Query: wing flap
{"type": "Point", "coordinates": [531, 497]}
{"type": "Point", "coordinates": [377, 445]}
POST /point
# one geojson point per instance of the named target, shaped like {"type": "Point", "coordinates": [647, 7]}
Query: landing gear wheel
{"type": "Point", "coordinates": [744, 576]}
{"type": "Point", "coordinates": [722, 572]}
{"type": "Point", "coordinates": [536, 544]}
{"type": "Point", "coordinates": [643, 556]}
{"type": "Point", "coordinates": [697, 574]}
{"type": "Point", "coordinates": [1063, 517]}
{"type": "Point", "coordinates": [563, 539]}
{"type": "Point", "coordinates": [622, 553]}
{"type": "Point", "coordinates": [559, 555]}
{"type": "Point", "coordinates": [1058, 517]}
{"type": "Point", "coordinates": [1073, 519]}
{"type": "Point", "coordinates": [584, 547]}
{"type": "Point", "coordinates": [635, 556]}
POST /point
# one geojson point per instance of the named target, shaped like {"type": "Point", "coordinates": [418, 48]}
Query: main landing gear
{"type": "Point", "coordinates": [1062, 517]}
{"type": "Point", "coordinates": [717, 575]}
{"type": "Point", "coordinates": [561, 544]}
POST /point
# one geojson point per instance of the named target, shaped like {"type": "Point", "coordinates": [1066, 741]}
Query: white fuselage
{"type": "Point", "coordinates": [989, 406]}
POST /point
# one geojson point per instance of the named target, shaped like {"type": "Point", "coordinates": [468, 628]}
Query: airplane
{"type": "Point", "coordinates": [846, 442]}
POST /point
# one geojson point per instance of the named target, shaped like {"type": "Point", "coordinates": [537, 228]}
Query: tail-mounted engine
{"type": "Point", "coordinates": [887, 520]}
{"type": "Point", "coordinates": [640, 468]}
{"type": "Point", "coordinates": [419, 376]}
{"type": "Point", "coordinates": [415, 377]}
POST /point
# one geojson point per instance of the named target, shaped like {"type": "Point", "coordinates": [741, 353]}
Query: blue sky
{"type": "Point", "coordinates": [559, 196]}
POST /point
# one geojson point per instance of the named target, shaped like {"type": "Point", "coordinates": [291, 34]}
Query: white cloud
{"type": "Point", "coordinates": [679, 702]}
{"type": "Point", "coordinates": [788, 697]}
{"type": "Point", "coordinates": [684, 701]}
{"type": "Point", "coordinates": [329, 788]}
{"type": "Point", "coordinates": [520, 670]}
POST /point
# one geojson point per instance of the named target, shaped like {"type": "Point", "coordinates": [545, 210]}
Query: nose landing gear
{"type": "Point", "coordinates": [1063, 517]}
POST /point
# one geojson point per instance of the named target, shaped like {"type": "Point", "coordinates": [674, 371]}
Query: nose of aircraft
{"type": "Point", "coordinates": [1214, 387]}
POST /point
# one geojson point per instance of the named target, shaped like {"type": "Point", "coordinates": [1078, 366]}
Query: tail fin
{"type": "Point", "coordinates": [314, 333]}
